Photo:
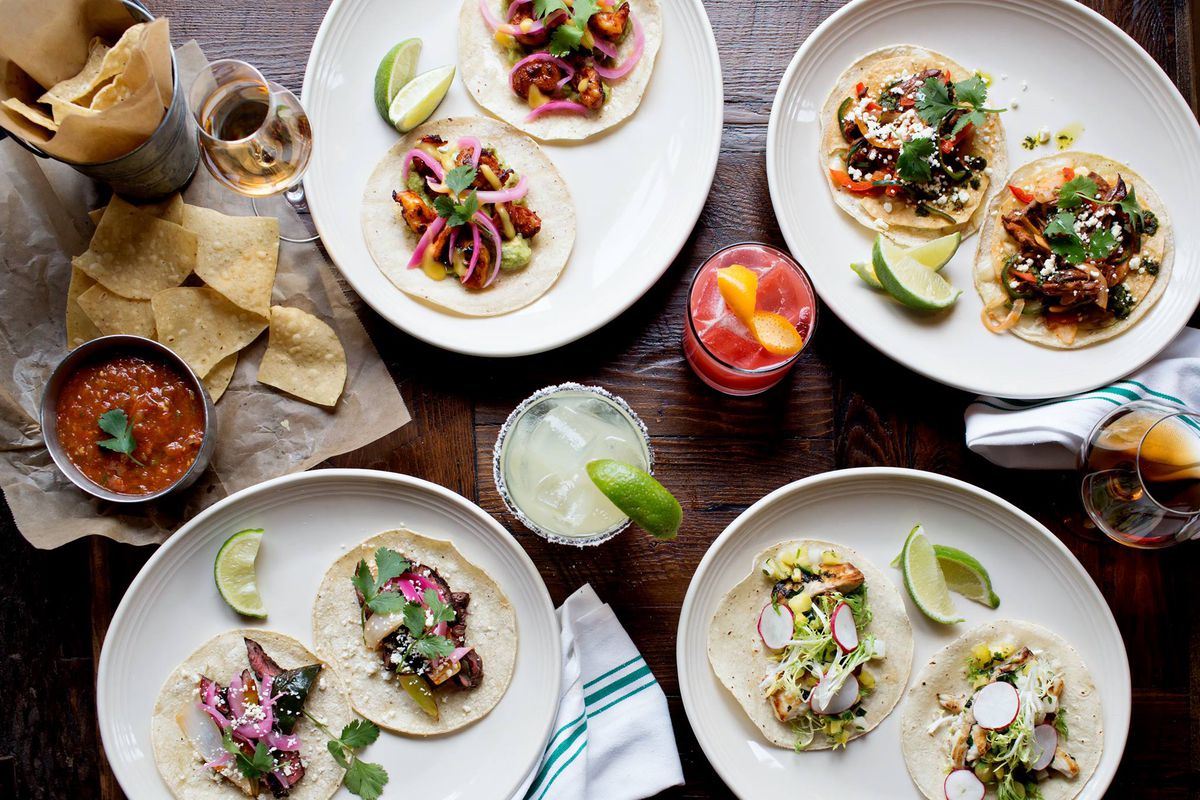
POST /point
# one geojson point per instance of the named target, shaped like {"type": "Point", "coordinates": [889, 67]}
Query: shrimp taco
{"type": "Point", "coordinates": [909, 144]}
{"type": "Point", "coordinates": [1007, 710]}
{"type": "Point", "coordinates": [559, 69]}
{"type": "Point", "coordinates": [815, 645]}
{"type": "Point", "coordinates": [470, 215]}
{"type": "Point", "coordinates": [425, 640]}
{"type": "Point", "coordinates": [255, 692]}
{"type": "Point", "coordinates": [1075, 251]}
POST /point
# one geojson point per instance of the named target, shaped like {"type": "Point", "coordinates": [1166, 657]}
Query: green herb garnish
{"type": "Point", "coordinates": [429, 645]}
{"type": "Point", "coordinates": [254, 766]}
{"type": "Point", "coordinates": [455, 210]}
{"type": "Point", "coordinates": [934, 103]}
{"type": "Point", "coordinates": [913, 163]}
{"type": "Point", "coordinates": [117, 425]}
{"type": "Point", "coordinates": [569, 35]}
{"type": "Point", "coordinates": [362, 777]}
{"type": "Point", "coordinates": [388, 564]}
{"type": "Point", "coordinates": [1061, 236]}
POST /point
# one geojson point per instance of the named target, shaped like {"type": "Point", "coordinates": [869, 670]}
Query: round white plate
{"type": "Point", "coordinates": [1079, 67]}
{"type": "Point", "coordinates": [872, 511]}
{"type": "Point", "coordinates": [638, 190]}
{"type": "Point", "coordinates": [310, 520]}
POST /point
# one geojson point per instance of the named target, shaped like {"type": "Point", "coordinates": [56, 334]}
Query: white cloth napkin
{"type": "Point", "coordinates": [1049, 434]}
{"type": "Point", "coordinates": [612, 739]}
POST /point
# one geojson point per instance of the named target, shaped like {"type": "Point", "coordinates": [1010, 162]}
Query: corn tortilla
{"type": "Point", "coordinates": [202, 326]}
{"type": "Point", "coordinates": [237, 256]}
{"type": "Point", "coordinates": [304, 357]}
{"type": "Point", "coordinates": [115, 314]}
{"type": "Point", "coordinates": [136, 254]}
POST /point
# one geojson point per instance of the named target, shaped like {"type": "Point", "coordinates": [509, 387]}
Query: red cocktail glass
{"type": "Point", "coordinates": [721, 349]}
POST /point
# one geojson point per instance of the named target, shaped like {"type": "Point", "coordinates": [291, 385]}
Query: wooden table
{"type": "Point", "coordinates": [844, 406]}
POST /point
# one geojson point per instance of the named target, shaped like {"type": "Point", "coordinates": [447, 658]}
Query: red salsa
{"type": "Point", "coordinates": [164, 410]}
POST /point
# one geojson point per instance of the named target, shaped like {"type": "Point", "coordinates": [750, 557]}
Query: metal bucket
{"type": "Point", "coordinates": [159, 166]}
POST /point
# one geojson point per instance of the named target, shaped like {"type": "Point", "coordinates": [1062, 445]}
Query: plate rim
{"type": "Point", "coordinates": [776, 181]}
{"type": "Point", "coordinates": [1116, 739]}
{"type": "Point", "coordinates": [351, 475]}
{"type": "Point", "coordinates": [553, 340]}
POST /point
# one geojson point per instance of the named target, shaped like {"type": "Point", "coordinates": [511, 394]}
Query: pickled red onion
{"type": "Point", "coordinates": [476, 149]}
{"type": "Point", "coordinates": [481, 219]}
{"type": "Point", "coordinates": [512, 8]}
{"type": "Point", "coordinates": [458, 653]}
{"type": "Point", "coordinates": [424, 583]}
{"type": "Point", "coordinates": [604, 46]}
{"type": "Point", "coordinates": [505, 195]}
{"type": "Point", "coordinates": [220, 761]}
{"type": "Point", "coordinates": [556, 105]}
{"type": "Point", "coordinates": [512, 30]}
{"type": "Point", "coordinates": [430, 234]}
{"type": "Point", "coordinates": [474, 255]}
{"type": "Point", "coordinates": [282, 741]}
{"type": "Point", "coordinates": [621, 70]}
{"type": "Point", "coordinates": [424, 157]}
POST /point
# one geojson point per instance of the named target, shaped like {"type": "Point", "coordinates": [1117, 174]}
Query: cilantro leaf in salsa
{"type": "Point", "coordinates": [117, 425]}
{"type": "Point", "coordinates": [913, 163]}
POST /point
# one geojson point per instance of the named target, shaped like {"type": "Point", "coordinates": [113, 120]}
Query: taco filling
{"type": "Point", "coordinates": [418, 626]}
{"type": "Point", "coordinates": [468, 210]}
{"type": "Point", "coordinates": [912, 140]}
{"type": "Point", "coordinates": [245, 730]}
{"type": "Point", "coordinates": [815, 627]}
{"type": "Point", "coordinates": [1009, 730]}
{"type": "Point", "coordinates": [565, 54]}
{"type": "Point", "coordinates": [1073, 247]}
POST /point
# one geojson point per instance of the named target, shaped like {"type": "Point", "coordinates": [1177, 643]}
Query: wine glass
{"type": "Point", "coordinates": [1141, 482]}
{"type": "Point", "coordinates": [255, 137]}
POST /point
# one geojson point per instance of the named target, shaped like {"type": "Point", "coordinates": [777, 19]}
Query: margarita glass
{"type": "Point", "coordinates": [541, 457]}
{"type": "Point", "coordinates": [720, 347]}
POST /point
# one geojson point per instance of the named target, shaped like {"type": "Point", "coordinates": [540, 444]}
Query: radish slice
{"type": "Point", "coordinates": [961, 784]}
{"type": "Point", "coordinates": [996, 705]}
{"type": "Point", "coordinates": [841, 701]}
{"type": "Point", "coordinates": [1047, 739]}
{"type": "Point", "coordinates": [776, 623]}
{"type": "Point", "coordinates": [842, 628]}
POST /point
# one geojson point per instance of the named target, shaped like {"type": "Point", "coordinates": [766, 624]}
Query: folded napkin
{"type": "Point", "coordinates": [612, 739]}
{"type": "Point", "coordinates": [1049, 434]}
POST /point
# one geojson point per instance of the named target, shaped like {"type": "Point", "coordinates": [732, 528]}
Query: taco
{"type": "Point", "coordinates": [1075, 251]}
{"type": "Point", "coordinates": [815, 645]}
{"type": "Point", "coordinates": [425, 640]}
{"type": "Point", "coordinates": [555, 70]}
{"type": "Point", "coordinates": [1008, 710]}
{"type": "Point", "coordinates": [909, 144]}
{"type": "Point", "coordinates": [470, 215]}
{"type": "Point", "coordinates": [253, 690]}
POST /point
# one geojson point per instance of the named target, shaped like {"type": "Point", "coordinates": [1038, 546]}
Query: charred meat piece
{"type": "Point", "coordinates": [417, 215]}
{"type": "Point", "coordinates": [1072, 287]}
{"type": "Point", "coordinates": [587, 83]}
{"type": "Point", "coordinates": [263, 665]}
{"type": "Point", "coordinates": [1025, 225]}
{"type": "Point", "coordinates": [525, 220]}
{"type": "Point", "coordinates": [487, 158]}
{"type": "Point", "coordinates": [844, 578]}
{"type": "Point", "coordinates": [911, 85]}
{"type": "Point", "coordinates": [786, 705]}
{"type": "Point", "coordinates": [961, 740]}
{"type": "Point", "coordinates": [483, 267]}
{"type": "Point", "coordinates": [289, 769]}
{"type": "Point", "coordinates": [610, 24]}
{"type": "Point", "coordinates": [545, 75]}
{"type": "Point", "coordinates": [953, 703]}
{"type": "Point", "coordinates": [1064, 763]}
{"type": "Point", "coordinates": [1012, 663]}
{"type": "Point", "coordinates": [220, 695]}
{"type": "Point", "coordinates": [531, 39]}
{"type": "Point", "coordinates": [470, 672]}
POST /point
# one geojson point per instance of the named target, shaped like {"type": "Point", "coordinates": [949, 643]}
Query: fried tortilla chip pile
{"type": "Point", "coordinates": [200, 282]}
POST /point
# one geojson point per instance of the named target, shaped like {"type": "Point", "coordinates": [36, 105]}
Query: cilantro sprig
{"type": "Point", "coordinates": [362, 777]}
{"type": "Point", "coordinates": [569, 35]}
{"type": "Point", "coordinates": [253, 766]}
{"type": "Point", "coordinates": [388, 564]}
{"type": "Point", "coordinates": [1065, 242]}
{"type": "Point", "coordinates": [457, 210]}
{"type": "Point", "coordinates": [970, 95]}
{"type": "Point", "coordinates": [1072, 194]}
{"type": "Point", "coordinates": [117, 425]}
{"type": "Point", "coordinates": [913, 163]}
{"type": "Point", "coordinates": [417, 619]}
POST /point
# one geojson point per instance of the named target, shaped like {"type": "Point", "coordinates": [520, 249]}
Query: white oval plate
{"type": "Point", "coordinates": [310, 519]}
{"type": "Point", "coordinates": [1131, 110]}
{"type": "Point", "coordinates": [872, 511]}
{"type": "Point", "coordinates": [638, 190]}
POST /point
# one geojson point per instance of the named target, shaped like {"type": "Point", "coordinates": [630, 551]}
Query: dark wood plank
{"type": "Point", "coordinates": [845, 405]}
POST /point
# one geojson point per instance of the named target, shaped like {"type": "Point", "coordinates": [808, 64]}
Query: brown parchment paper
{"type": "Point", "coordinates": [262, 432]}
{"type": "Point", "coordinates": [45, 41]}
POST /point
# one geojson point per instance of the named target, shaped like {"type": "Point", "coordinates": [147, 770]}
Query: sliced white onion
{"type": "Point", "coordinates": [379, 626]}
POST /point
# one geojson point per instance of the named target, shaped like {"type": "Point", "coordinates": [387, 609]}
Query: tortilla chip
{"type": "Point", "coordinates": [170, 209]}
{"type": "Point", "coordinates": [218, 378]}
{"type": "Point", "coordinates": [136, 254]}
{"type": "Point", "coordinates": [34, 115]}
{"type": "Point", "coordinates": [304, 357]}
{"type": "Point", "coordinates": [112, 313]}
{"type": "Point", "coordinates": [85, 82]}
{"type": "Point", "coordinates": [202, 326]}
{"type": "Point", "coordinates": [63, 108]}
{"type": "Point", "coordinates": [237, 256]}
{"type": "Point", "coordinates": [80, 327]}
{"type": "Point", "coordinates": [137, 71]}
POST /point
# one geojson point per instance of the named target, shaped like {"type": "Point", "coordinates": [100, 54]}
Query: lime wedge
{"type": "Point", "coordinates": [965, 575]}
{"type": "Point", "coordinates": [935, 254]}
{"type": "Point", "coordinates": [924, 580]}
{"type": "Point", "coordinates": [396, 69]}
{"type": "Point", "coordinates": [910, 281]}
{"type": "Point", "coordinates": [417, 99]}
{"type": "Point", "coordinates": [867, 273]}
{"type": "Point", "coordinates": [635, 491]}
{"type": "Point", "coordinates": [234, 573]}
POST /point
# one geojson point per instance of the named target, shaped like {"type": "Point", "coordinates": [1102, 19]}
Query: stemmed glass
{"type": "Point", "coordinates": [255, 137]}
{"type": "Point", "coordinates": [1141, 481]}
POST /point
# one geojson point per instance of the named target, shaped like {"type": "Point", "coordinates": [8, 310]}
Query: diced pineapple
{"type": "Point", "coordinates": [1002, 649]}
{"type": "Point", "coordinates": [866, 678]}
{"type": "Point", "coordinates": [800, 603]}
{"type": "Point", "coordinates": [835, 727]}
{"type": "Point", "coordinates": [505, 40]}
{"type": "Point", "coordinates": [787, 559]}
{"type": "Point", "coordinates": [798, 575]}
{"type": "Point", "coordinates": [830, 557]}
{"type": "Point", "coordinates": [982, 653]}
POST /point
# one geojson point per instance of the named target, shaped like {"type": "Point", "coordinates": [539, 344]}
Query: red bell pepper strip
{"type": "Point", "coordinates": [1021, 195]}
{"type": "Point", "coordinates": [842, 179]}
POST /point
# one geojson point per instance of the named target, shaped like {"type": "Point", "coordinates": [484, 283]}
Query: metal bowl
{"type": "Point", "coordinates": [136, 345]}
